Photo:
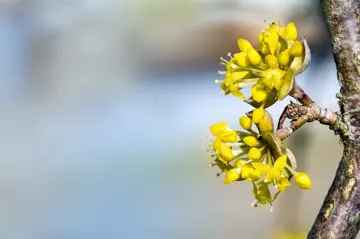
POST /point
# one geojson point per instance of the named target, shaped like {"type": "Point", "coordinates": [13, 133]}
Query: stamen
{"type": "Point", "coordinates": [223, 59]}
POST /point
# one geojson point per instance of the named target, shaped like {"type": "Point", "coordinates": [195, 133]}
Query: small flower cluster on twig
{"type": "Point", "coordinates": [258, 154]}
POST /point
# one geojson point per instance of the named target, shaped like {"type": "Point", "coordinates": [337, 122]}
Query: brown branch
{"type": "Point", "coordinates": [339, 216]}
{"type": "Point", "coordinates": [301, 114]}
{"type": "Point", "coordinates": [299, 94]}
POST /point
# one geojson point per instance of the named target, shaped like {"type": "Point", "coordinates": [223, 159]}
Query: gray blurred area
{"type": "Point", "coordinates": [105, 108]}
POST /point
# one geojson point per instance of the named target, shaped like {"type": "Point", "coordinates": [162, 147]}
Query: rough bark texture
{"type": "Point", "coordinates": [339, 216]}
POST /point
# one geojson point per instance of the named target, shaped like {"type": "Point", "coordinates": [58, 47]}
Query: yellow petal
{"type": "Point", "coordinates": [244, 45]}
{"type": "Point", "coordinates": [273, 42]}
{"type": "Point", "coordinates": [238, 75]}
{"type": "Point", "coordinates": [287, 85]}
{"type": "Point", "coordinates": [218, 128]}
{"type": "Point", "coordinates": [217, 144]}
{"type": "Point", "coordinates": [242, 59]}
{"type": "Point", "coordinates": [226, 153]}
{"type": "Point", "coordinates": [229, 136]}
{"type": "Point", "coordinates": [254, 56]}
{"type": "Point", "coordinates": [236, 92]}
{"type": "Point", "coordinates": [261, 167]}
{"type": "Point", "coordinates": [280, 162]}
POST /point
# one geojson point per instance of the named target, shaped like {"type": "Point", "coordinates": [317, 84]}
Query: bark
{"type": "Point", "coordinates": [339, 216]}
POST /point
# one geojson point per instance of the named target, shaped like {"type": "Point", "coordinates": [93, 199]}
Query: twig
{"type": "Point", "coordinates": [299, 94]}
{"type": "Point", "coordinates": [301, 114]}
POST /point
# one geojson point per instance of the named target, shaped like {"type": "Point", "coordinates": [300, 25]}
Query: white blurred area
{"type": "Point", "coordinates": [105, 106]}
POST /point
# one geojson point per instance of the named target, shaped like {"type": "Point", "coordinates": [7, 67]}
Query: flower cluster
{"type": "Point", "coordinates": [256, 156]}
{"type": "Point", "coordinates": [270, 69]}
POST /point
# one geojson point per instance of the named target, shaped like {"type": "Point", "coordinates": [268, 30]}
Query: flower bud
{"type": "Point", "coordinates": [284, 57]}
{"type": "Point", "coordinates": [250, 141]}
{"type": "Point", "coordinates": [296, 49]}
{"type": "Point", "coordinates": [259, 95]}
{"type": "Point", "coordinates": [291, 31]}
{"type": "Point", "coordinates": [254, 154]}
{"type": "Point", "coordinates": [257, 115]}
{"type": "Point", "coordinates": [271, 61]}
{"type": "Point", "coordinates": [232, 175]}
{"type": "Point", "coordinates": [253, 56]}
{"type": "Point", "coordinates": [265, 126]}
{"type": "Point", "coordinates": [303, 180]}
{"type": "Point", "coordinates": [245, 122]}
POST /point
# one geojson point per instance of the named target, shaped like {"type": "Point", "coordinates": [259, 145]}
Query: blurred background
{"type": "Point", "coordinates": [105, 108]}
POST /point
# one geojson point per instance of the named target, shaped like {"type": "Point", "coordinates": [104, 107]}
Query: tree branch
{"type": "Point", "coordinates": [300, 114]}
{"type": "Point", "coordinates": [339, 216]}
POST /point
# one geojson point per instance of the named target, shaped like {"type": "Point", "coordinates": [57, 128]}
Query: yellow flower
{"type": "Point", "coordinates": [274, 173]}
{"type": "Point", "coordinates": [271, 76]}
{"type": "Point", "coordinates": [270, 38]}
{"type": "Point", "coordinates": [223, 132]}
{"type": "Point", "coordinates": [303, 180]}
{"type": "Point", "coordinates": [280, 50]}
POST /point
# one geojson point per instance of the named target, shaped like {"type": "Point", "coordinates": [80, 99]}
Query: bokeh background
{"type": "Point", "coordinates": [105, 108]}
